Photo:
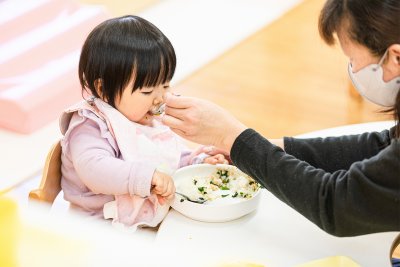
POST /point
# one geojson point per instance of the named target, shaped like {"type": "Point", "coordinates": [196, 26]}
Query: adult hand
{"type": "Point", "coordinates": [201, 121]}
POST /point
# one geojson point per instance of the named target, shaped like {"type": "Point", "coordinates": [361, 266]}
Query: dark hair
{"type": "Point", "coordinates": [374, 24]}
{"type": "Point", "coordinates": [121, 48]}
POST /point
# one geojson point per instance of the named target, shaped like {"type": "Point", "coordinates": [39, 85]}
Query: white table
{"type": "Point", "coordinates": [276, 235]}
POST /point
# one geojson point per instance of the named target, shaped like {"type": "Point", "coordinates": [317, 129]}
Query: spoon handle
{"type": "Point", "coordinates": [199, 201]}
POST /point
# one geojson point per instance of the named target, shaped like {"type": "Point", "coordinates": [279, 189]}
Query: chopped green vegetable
{"type": "Point", "coordinates": [223, 180]}
{"type": "Point", "coordinates": [222, 173]}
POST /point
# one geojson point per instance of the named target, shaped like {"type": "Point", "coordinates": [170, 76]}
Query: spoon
{"type": "Point", "coordinates": [198, 201]}
{"type": "Point", "coordinates": [159, 110]}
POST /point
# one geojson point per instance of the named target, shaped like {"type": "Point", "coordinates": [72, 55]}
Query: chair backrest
{"type": "Point", "coordinates": [50, 184]}
{"type": "Point", "coordinates": [395, 249]}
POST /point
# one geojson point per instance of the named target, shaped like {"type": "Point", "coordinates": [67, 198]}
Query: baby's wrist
{"type": "Point", "coordinates": [198, 159]}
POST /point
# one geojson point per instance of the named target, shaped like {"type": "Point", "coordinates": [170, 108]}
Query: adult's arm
{"type": "Point", "coordinates": [336, 153]}
{"type": "Point", "coordinates": [363, 199]}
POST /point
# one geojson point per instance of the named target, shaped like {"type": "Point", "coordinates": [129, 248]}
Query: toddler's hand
{"type": "Point", "coordinates": [216, 159]}
{"type": "Point", "coordinates": [163, 186]}
{"type": "Point", "coordinates": [217, 156]}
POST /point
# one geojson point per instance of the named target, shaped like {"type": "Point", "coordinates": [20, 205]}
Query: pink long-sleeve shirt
{"type": "Point", "coordinates": [93, 170]}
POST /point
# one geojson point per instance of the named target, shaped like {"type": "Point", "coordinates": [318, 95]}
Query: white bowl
{"type": "Point", "coordinates": [220, 211]}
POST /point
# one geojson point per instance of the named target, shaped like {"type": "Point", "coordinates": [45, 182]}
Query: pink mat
{"type": "Point", "coordinates": [39, 55]}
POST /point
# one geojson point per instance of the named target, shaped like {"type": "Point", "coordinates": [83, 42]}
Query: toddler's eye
{"type": "Point", "coordinates": [166, 86]}
{"type": "Point", "coordinates": [147, 93]}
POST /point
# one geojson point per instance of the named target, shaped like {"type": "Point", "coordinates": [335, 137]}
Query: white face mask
{"type": "Point", "coordinates": [370, 84]}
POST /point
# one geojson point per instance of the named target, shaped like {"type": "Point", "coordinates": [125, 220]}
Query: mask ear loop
{"type": "Point", "coordinates": [381, 60]}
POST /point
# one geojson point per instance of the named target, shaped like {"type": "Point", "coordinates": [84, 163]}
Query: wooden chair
{"type": "Point", "coordinates": [395, 249]}
{"type": "Point", "coordinates": [50, 184]}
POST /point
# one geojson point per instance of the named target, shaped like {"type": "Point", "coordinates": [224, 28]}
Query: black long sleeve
{"type": "Point", "coordinates": [353, 189]}
{"type": "Point", "coordinates": [336, 153]}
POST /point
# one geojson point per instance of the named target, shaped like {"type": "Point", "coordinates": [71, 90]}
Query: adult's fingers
{"type": "Point", "coordinates": [180, 132]}
{"type": "Point", "coordinates": [175, 101]}
{"type": "Point", "coordinates": [177, 113]}
{"type": "Point", "coordinates": [172, 122]}
{"type": "Point", "coordinates": [177, 126]}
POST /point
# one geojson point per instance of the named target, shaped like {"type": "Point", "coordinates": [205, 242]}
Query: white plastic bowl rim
{"type": "Point", "coordinates": [220, 212]}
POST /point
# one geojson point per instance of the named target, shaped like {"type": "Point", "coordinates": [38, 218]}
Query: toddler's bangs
{"type": "Point", "coordinates": [153, 67]}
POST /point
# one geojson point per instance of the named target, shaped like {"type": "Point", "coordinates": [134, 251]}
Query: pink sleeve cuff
{"type": "Point", "coordinates": [192, 157]}
{"type": "Point", "coordinates": [140, 179]}
{"type": "Point", "coordinates": [199, 158]}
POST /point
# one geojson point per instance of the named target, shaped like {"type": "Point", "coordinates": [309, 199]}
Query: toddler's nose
{"type": "Point", "coordinates": [157, 101]}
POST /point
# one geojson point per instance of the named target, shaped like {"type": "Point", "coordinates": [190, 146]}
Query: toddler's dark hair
{"type": "Point", "coordinates": [121, 48]}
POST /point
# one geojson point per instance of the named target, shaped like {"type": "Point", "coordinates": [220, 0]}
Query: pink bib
{"type": "Point", "coordinates": [135, 141]}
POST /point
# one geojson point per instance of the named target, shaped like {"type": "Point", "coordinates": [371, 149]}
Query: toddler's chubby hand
{"type": "Point", "coordinates": [216, 156]}
{"type": "Point", "coordinates": [163, 186]}
{"type": "Point", "coordinates": [216, 159]}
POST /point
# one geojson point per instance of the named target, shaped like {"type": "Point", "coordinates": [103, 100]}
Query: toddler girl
{"type": "Point", "coordinates": [117, 156]}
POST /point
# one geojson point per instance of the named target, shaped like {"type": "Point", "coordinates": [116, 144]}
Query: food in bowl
{"type": "Point", "coordinates": [225, 202]}
{"type": "Point", "coordinates": [222, 183]}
